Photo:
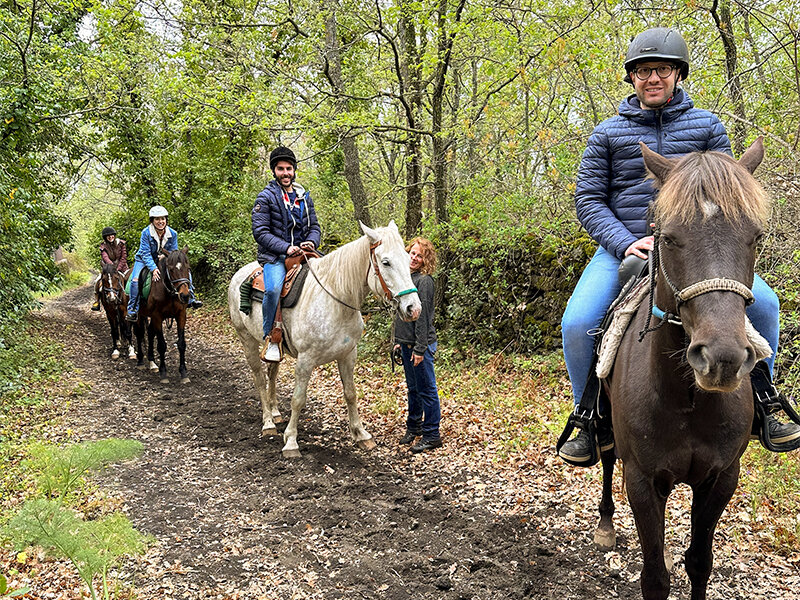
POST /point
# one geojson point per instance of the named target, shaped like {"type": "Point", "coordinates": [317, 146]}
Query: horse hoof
{"type": "Point", "coordinates": [270, 432]}
{"type": "Point", "coordinates": [153, 367]}
{"type": "Point", "coordinates": [366, 444]}
{"type": "Point", "coordinates": [291, 453]}
{"type": "Point", "coordinates": [115, 355]}
{"type": "Point", "coordinates": [278, 419]}
{"type": "Point", "coordinates": [164, 380]}
{"type": "Point", "coordinates": [605, 539]}
{"type": "Point", "coordinates": [185, 380]}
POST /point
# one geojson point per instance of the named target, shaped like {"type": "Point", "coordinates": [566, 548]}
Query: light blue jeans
{"type": "Point", "coordinates": [274, 274]}
{"type": "Point", "coordinates": [596, 290]}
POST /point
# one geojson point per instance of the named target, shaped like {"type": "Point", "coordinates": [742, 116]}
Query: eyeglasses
{"type": "Point", "coordinates": [663, 71]}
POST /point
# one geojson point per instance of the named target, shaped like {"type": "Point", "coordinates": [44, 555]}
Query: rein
{"type": "Point", "coordinates": [388, 296]}
{"type": "Point", "coordinates": [682, 296]}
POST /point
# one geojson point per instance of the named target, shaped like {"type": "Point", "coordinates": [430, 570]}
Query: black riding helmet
{"type": "Point", "coordinates": [107, 231]}
{"type": "Point", "coordinates": [281, 153]}
{"type": "Point", "coordinates": [659, 43]}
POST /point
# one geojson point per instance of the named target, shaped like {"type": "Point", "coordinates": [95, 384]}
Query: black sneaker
{"type": "Point", "coordinates": [783, 434]}
{"type": "Point", "coordinates": [96, 306]}
{"type": "Point", "coordinates": [426, 444]}
{"type": "Point", "coordinates": [579, 449]}
{"type": "Point", "coordinates": [409, 437]}
{"type": "Point", "coordinates": [196, 304]}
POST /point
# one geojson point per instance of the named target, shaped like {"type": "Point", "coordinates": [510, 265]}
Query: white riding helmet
{"type": "Point", "coordinates": [158, 211]}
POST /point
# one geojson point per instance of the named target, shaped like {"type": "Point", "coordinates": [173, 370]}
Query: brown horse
{"type": "Point", "coordinates": [681, 401]}
{"type": "Point", "coordinates": [168, 299]}
{"type": "Point", "coordinates": [115, 302]}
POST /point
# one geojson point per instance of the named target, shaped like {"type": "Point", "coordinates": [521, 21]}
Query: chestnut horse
{"type": "Point", "coordinates": [115, 303]}
{"type": "Point", "coordinates": [681, 400]}
{"type": "Point", "coordinates": [168, 299]}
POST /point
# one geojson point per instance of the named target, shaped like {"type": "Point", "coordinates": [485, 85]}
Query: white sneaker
{"type": "Point", "coordinates": [273, 353]}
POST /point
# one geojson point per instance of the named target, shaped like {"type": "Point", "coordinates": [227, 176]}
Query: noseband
{"type": "Point", "coordinates": [682, 296]}
{"type": "Point", "coordinates": [112, 289]}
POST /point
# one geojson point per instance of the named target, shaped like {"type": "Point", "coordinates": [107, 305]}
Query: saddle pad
{"type": "Point", "coordinates": [144, 289]}
{"type": "Point", "coordinates": [296, 287]}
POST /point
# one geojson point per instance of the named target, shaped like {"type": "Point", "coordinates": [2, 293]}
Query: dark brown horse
{"type": "Point", "coordinates": [115, 302]}
{"type": "Point", "coordinates": [682, 405]}
{"type": "Point", "coordinates": [168, 299]}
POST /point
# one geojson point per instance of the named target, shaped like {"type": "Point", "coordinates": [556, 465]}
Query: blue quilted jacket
{"type": "Point", "coordinates": [275, 228]}
{"type": "Point", "coordinates": [612, 194]}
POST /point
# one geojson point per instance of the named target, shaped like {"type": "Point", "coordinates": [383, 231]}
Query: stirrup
{"type": "Point", "coordinates": [768, 401]}
{"type": "Point", "coordinates": [271, 352]}
{"type": "Point", "coordinates": [586, 422]}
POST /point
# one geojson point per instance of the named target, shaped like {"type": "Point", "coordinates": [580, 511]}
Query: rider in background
{"type": "Point", "coordinates": [612, 196]}
{"type": "Point", "coordinates": [155, 237]}
{"type": "Point", "coordinates": [284, 221]}
{"type": "Point", "coordinates": [113, 251]}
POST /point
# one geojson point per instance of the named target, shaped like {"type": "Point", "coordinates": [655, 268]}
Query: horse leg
{"type": "Point", "coordinates": [648, 505]}
{"type": "Point", "coordinates": [151, 334]}
{"type": "Point", "coordinates": [127, 332]}
{"type": "Point", "coordinates": [302, 373]}
{"type": "Point", "coordinates": [181, 320]}
{"type": "Point", "coordinates": [158, 326]}
{"type": "Point", "coordinates": [360, 436]}
{"type": "Point", "coordinates": [272, 392]}
{"type": "Point", "coordinates": [708, 502]}
{"type": "Point", "coordinates": [269, 402]}
{"type": "Point", "coordinates": [139, 328]}
{"type": "Point", "coordinates": [112, 321]}
{"type": "Point", "coordinates": [604, 535]}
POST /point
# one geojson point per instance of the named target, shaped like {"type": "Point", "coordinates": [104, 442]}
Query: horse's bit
{"type": "Point", "coordinates": [682, 296]}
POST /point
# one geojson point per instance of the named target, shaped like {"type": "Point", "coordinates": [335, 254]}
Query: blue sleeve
{"type": "Point", "coordinates": [592, 195]}
{"type": "Point", "coordinates": [143, 254]}
{"type": "Point", "coordinates": [263, 226]}
{"type": "Point", "coordinates": [314, 231]}
{"type": "Point", "coordinates": [718, 137]}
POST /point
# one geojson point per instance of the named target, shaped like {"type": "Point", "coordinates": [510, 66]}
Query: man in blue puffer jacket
{"type": "Point", "coordinates": [284, 221]}
{"type": "Point", "coordinates": [612, 196]}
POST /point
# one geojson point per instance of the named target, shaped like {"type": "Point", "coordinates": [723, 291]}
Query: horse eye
{"type": "Point", "coordinates": [667, 241]}
{"type": "Point", "coordinates": [385, 262]}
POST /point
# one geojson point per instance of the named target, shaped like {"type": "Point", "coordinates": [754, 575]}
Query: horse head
{"type": "Point", "coordinates": [176, 273]}
{"type": "Point", "coordinates": [709, 216]}
{"type": "Point", "coordinates": [112, 286]}
{"type": "Point", "coordinates": [391, 272]}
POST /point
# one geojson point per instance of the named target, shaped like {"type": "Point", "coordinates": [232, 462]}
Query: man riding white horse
{"type": "Point", "coordinates": [284, 223]}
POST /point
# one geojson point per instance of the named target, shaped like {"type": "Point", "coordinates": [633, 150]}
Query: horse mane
{"type": "Point", "coordinates": [109, 268]}
{"type": "Point", "coordinates": [700, 178]}
{"type": "Point", "coordinates": [340, 267]}
{"type": "Point", "coordinates": [176, 256]}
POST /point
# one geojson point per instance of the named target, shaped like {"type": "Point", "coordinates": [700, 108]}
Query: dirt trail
{"type": "Point", "coordinates": [232, 519]}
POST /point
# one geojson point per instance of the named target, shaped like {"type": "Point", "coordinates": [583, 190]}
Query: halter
{"type": "Point", "coordinates": [386, 291]}
{"type": "Point", "coordinates": [682, 296]}
{"type": "Point", "coordinates": [170, 284]}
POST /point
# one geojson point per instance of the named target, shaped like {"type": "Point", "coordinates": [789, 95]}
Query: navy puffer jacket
{"type": "Point", "coordinates": [612, 194]}
{"type": "Point", "coordinates": [275, 228]}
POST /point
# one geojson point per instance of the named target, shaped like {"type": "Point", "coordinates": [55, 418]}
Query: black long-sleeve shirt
{"type": "Point", "coordinates": [420, 333]}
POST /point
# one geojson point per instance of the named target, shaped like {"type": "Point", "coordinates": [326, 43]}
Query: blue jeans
{"type": "Point", "coordinates": [597, 289]}
{"type": "Point", "coordinates": [133, 301]}
{"type": "Point", "coordinates": [274, 274]}
{"type": "Point", "coordinates": [423, 396]}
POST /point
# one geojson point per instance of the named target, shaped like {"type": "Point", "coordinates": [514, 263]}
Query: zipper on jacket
{"type": "Point", "coordinates": [659, 125]}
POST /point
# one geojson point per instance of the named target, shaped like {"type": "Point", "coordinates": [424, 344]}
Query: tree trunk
{"type": "Point", "coordinates": [410, 69]}
{"type": "Point", "coordinates": [722, 18]}
{"type": "Point", "coordinates": [352, 163]}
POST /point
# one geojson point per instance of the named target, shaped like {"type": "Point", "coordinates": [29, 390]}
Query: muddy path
{"type": "Point", "coordinates": [232, 519]}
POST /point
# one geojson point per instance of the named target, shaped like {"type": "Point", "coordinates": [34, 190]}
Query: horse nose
{"type": "Point", "coordinates": [413, 311]}
{"type": "Point", "coordinates": [720, 367]}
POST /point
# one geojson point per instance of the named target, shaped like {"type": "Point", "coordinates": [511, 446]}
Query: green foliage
{"type": "Point", "coordinates": [26, 360]}
{"type": "Point", "coordinates": [93, 547]}
{"type": "Point", "coordinates": [11, 593]}
{"type": "Point", "coordinates": [61, 470]}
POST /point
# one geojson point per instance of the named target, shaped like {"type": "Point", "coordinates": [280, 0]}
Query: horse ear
{"type": "Point", "coordinates": [185, 249]}
{"type": "Point", "coordinates": [393, 225]}
{"type": "Point", "coordinates": [164, 252]}
{"type": "Point", "coordinates": [753, 155]}
{"type": "Point", "coordinates": [370, 233]}
{"type": "Point", "coordinates": [658, 166]}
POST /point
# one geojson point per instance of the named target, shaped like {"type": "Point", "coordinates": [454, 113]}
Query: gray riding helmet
{"type": "Point", "coordinates": [662, 42]}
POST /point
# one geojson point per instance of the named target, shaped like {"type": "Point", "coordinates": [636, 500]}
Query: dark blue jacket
{"type": "Point", "coordinates": [612, 194]}
{"type": "Point", "coordinates": [275, 228]}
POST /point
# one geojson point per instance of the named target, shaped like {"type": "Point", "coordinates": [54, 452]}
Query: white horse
{"type": "Point", "coordinates": [326, 324]}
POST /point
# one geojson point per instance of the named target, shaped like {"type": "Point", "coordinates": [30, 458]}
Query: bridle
{"type": "Point", "coordinates": [387, 293]}
{"type": "Point", "coordinates": [112, 290]}
{"type": "Point", "coordinates": [388, 297]}
{"type": "Point", "coordinates": [682, 296]}
{"type": "Point", "coordinates": [173, 286]}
